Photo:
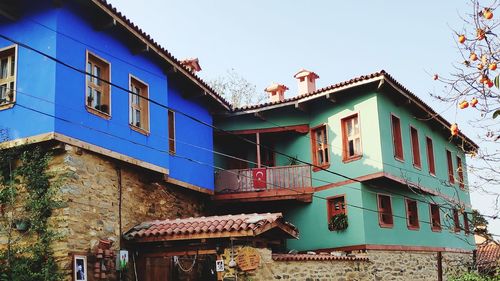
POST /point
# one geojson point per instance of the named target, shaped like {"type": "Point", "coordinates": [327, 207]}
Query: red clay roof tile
{"type": "Point", "coordinates": [204, 227]}
{"type": "Point", "coordinates": [320, 257]}
{"type": "Point", "coordinates": [488, 255]}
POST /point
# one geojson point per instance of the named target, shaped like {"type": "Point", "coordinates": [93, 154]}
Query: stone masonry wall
{"type": "Point", "coordinates": [382, 265]}
{"type": "Point", "coordinates": [90, 193]}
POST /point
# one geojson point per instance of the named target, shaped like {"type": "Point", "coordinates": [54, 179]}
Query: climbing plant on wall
{"type": "Point", "coordinates": [27, 201]}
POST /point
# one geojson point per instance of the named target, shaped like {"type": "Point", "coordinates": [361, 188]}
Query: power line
{"type": "Point", "coordinates": [216, 167]}
{"type": "Point", "coordinates": [155, 74]}
{"type": "Point", "coordinates": [189, 116]}
{"type": "Point", "coordinates": [192, 145]}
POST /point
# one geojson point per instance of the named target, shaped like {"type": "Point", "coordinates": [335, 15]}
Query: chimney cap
{"type": "Point", "coordinates": [275, 87]}
{"type": "Point", "coordinates": [304, 73]}
{"type": "Point", "coordinates": [193, 64]}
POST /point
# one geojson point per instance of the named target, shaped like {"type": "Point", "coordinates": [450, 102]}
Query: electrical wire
{"type": "Point", "coordinates": [178, 111]}
{"type": "Point", "coordinates": [230, 171]}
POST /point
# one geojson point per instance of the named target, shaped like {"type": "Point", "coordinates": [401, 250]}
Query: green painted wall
{"type": "Point", "coordinates": [406, 170]}
{"type": "Point", "coordinates": [399, 234]}
{"type": "Point", "coordinates": [312, 221]}
{"type": "Point", "coordinates": [374, 116]}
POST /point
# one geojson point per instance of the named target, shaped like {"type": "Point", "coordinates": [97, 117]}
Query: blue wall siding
{"type": "Point", "coordinates": [190, 136]}
{"type": "Point", "coordinates": [35, 74]}
{"type": "Point", "coordinates": [60, 91]}
{"type": "Point", "coordinates": [115, 133]}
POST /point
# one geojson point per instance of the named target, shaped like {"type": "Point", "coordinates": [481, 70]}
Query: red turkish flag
{"type": "Point", "coordinates": [259, 178]}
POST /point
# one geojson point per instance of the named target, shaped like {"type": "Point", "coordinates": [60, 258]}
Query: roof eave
{"type": "Point", "coordinates": [388, 80]}
{"type": "Point", "coordinates": [104, 6]}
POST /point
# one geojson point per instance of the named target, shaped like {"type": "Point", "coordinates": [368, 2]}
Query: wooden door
{"type": "Point", "coordinates": [155, 269]}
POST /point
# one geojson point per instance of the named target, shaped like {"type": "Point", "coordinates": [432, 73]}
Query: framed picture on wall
{"type": "Point", "coordinates": [79, 268]}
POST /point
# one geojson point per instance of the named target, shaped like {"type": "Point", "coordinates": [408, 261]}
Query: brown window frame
{"type": "Point", "coordinates": [8, 83]}
{"type": "Point", "coordinates": [98, 85]}
{"type": "Point", "coordinates": [345, 139]}
{"type": "Point", "coordinates": [412, 225]}
{"type": "Point", "coordinates": [382, 212]}
{"type": "Point", "coordinates": [460, 173]}
{"type": "Point", "coordinates": [139, 104]}
{"type": "Point", "coordinates": [415, 148]}
{"type": "Point", "coordinates": [322, 147]}
{"type": "Point", "coordinates": [456, 221]}
{"type": "Point", "coordinates": [466, 223]}
{"type": "Point", "coordinates": [451, 173]}
{"type": "Point", "coordinates": [435, 215]}
{"type": "Point", "coordinates": [171, 132]}
{"type": "Point", "coordinates": [430, 156]}
{"type": "Point", "coordinates": [397, 138]}
{"type": "Point", "coordinates": [331, 206]}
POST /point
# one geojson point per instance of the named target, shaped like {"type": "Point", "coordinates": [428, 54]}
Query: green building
{"type": "Point", "coordinates": [380, 157]}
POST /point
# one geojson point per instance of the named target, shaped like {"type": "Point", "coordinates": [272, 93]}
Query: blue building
{"type": "Point", "coordinates": [82, 73]}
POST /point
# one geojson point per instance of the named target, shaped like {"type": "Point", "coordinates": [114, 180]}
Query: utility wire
{"type": "Point", "coordinates": [160, 76]}
{"type": "Point", "coordinates": [184, 114]}
{"type": "Point", "coordinates": [181, 142]}
{"type": "Point", "coordinates": [219, 168]}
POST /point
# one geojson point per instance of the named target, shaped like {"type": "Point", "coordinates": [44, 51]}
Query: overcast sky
{"type": "Point", "coordinates": [269, 41]}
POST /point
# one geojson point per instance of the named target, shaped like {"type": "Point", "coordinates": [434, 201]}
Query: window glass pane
{"type": "Point", "coordinates": [349, 128]}
{"type": "Point", "coordinates": [351, 148]}
{"type": "Point", "coordinates": [357, 146]}
{"type": "Point", "coordinates": [89, 70]}
{"type": "Point", "coordinates": [326, 156]}
{"type": "Point", "coordinates": [97, 98]}
{"type": "Point", "coordinates": [137, 118]}
{"type": "Point", "coordinates": [97, 72]}
{"type": "Point", "coordinates": [3, 68]}
{"type": "Point", "coordinates": [12, 66]}
{"type": "Point", "coordinates": [356, 125]}
{"type": "Point", "coordinates": [3, 92]}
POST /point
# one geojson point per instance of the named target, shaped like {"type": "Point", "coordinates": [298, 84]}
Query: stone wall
{"type": "Point", "coordinates": [382, 265]}
{"type": "Point", "coordinates": [90, 192]}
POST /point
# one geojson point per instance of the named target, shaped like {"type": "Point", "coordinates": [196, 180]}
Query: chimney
{"type": "Point", "coordinates": [276, 92]}
{"type": "Point", "coordinates": [307, 81]}
{"type": "Point", "coordinates": [192, 64]}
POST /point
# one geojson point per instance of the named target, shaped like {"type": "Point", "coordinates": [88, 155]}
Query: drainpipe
{"type": "Point", "coordinates": [440, 266]}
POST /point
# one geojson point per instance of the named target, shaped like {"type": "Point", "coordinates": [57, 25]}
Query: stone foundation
{"type": "Point", "coordinates": [382, 265]}
{"type": "Point", "coordinates": [91, 211]}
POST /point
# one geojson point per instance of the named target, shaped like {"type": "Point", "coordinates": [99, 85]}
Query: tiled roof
{"type": "Point", "coordinates": [317, 92]}
{"type": "Point", "coordinates": [377, 76]}
{"type": "Point", "coordinates": [244, 225]}
{"type": "Point", "coordinates": [320, 257]}
{"type": "Point", "coordinates": [107, 7]}
{"type": "Point", "coordinates": [488, 255]}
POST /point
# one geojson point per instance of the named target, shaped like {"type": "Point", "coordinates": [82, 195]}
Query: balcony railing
{"type": "Point", "coordinates": [297, 177]}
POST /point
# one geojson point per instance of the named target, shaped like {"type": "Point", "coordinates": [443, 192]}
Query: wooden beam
{"type": "Point", "coordinates": [140, 48]}
{"type": "Point", "coordinates": [331, 98]}
{"type": "Point", "coordinates": [395, 248]}
{"type": "Point", "coordinates": [28, 140]}
{"type": "Point", "coordinates": [259, 115]}
{"type": "Point", "coordinates": [301, 195]}
{"type": "Point", "coordinates": [170, 69]}
{"type": "Point", "coordinates": [302, 129]}
{"type": "Point", "coordinates": [301, 106]}
{"type": "Point", "coordinates": [109, 153]}
{"type": "Point", "coordinates": [187, 185]}
{"type": "Point", "coordinates": [380, 84]}
{"type": "Point", "coordinates": [107, 24]}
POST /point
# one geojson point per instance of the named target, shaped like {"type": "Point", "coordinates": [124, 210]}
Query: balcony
{"type": "Point", "coordinates": [264, 184]}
